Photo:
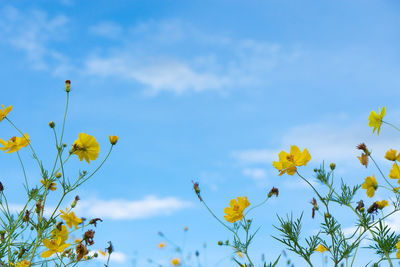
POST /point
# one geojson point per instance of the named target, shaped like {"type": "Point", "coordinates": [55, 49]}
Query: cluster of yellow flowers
{"type": "Point", "coordinates": [85, 147]}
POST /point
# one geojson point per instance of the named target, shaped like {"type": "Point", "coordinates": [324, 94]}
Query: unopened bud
{"type": "Point", "coordinates": [332, 166]}
{"type": "Point", "coordinates": [220, 243]}
{"type": "Point", "coordinates": [67, 86]}
{"type": "Point", "coordinates": [274, 191]}
{"type": "Point", "coordinates": [58, 175]}
{"type": "Point", "coordinates": [51, 124]}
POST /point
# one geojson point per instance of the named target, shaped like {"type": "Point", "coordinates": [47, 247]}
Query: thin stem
{"type": "Point", "coordinates": [29, 143]}
{"type": "Point", "coordinates": [391, 125]}
{"type": "Point", "coordinates": [256, 206]}
{"type": "Point", "coordinates": [379, 169]}
{"type": "Point", "coordinates": [23, 169]}
{"type": "Point", "coordinates": [76, 184]}
{"type": "Point", "coordinates": [212, 213]}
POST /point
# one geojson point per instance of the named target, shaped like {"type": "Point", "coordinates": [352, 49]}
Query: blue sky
{"type": "Point", "coordinates": [209, 91]}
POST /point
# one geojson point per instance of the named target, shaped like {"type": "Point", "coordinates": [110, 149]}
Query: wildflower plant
{"type": "Point", "coordinates": [40, 234]}
{"type": "Point", "coordinates": [371, 220]}
{"type": "Point", "coordinates": [238, 221]}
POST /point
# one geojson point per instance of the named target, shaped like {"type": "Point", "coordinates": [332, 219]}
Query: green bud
{"type": "Point", "coordinates": [332, 166]}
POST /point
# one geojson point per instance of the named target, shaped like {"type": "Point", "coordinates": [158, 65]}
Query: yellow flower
{"type": "Point", "coordinates": [23, 263]}
{"type": "Point", "coordinates": [57, 233]}
{"type": "Point", "coordinates": [161, 245]}
{"type": "Point", "coordinates": [395, 172]}
{"type": "Point", "coordinates": [15, 143]}
{"type": "Point", "coordinates": [86, 147]}
{"type": "Point", "coordinates": [398, 251]}
{"type": "Point", "coordinates": [102, 252]}
{"type": "Point", "coordinates": [235, 210]}
{"type": "Point", "coordinates": [288, 161]}
{"type": "Point", "coordinates": [321, 248]}
{"type": "Point", "coordinates": [239, 254]}
{"type": "Point", "coordinates": [54, 246]}
{"type": "Point", "coordinates": [70, 218]}
{"type": "Point", "coordinates": [4, 112]}
{"type": "Point", "coordinates": [52, 186]}
{"type": "Point", "coordinates": [371, 185]}
{"type": "Point", "coordinates": [113, 139]}
{"type": "Point", "coordinates": [381, 204]}
{"type": "Point", "coordinates": [391, 155]}
{"type": "Point", "coordinates": [375, 120]}
{"type": "Point", "coordinates": [176, 261]}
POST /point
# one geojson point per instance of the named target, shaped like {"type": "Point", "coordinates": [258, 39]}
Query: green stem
{"type": "Point", "coordinates": [23, 169]}
{"type": "Point", "coordinates": [380, 171]}
{"type": "Point", "coordinates": [29, 143]}
{"type": "Point", "coordinates": [256, 206]}
{"type": "Point", "coordinates": [391, 125]}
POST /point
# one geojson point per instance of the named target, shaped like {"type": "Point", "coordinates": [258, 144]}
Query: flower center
{"type": "Point", "coordinates": [290, 158]}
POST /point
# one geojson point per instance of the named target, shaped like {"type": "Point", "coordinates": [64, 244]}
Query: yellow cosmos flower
{"type": "Point", "coordinates": [371, 185]}
{"type": "Point", "coordinates": [52, 186]}
{"type": "Point", "coordinates": [235, 210]}
{"type": "Point", "coordinates": [4, 112]}
{"type": "Point", "coordinates": [60, 233]}
{"type": "Point", "coordinates": [70, 218]}
{"type": "Point", "coordinates": [398, 251]}
{"type": "Point", "coordinates": [375, 120]}
{"type": "Point", "coordinates": [392, 155]}
{"type": "Point", "coordinates": [289, 161]}
{"type": "Point", "coordinates": [15, 143]}
{"type": "Point", "coordinates": [102, 252]}
{"type": "Point", "coordinates": [54, 246]}
{"type": "Point", "coordinates": [321, 248]}
{"type": "Point", "coordinates": [381, 204]}
{"type": "Point", "coordinates": [86, 147]}
{"type": "Point", "coordinates": [395, 172]}
{"type": "Point", "coordinates": [176, 261]}
{"type": "Point", "coordinates": [113, 139]}
{"type": "Point", "coordinates": [23, 263]}
{"type": "Point", "coordinates": [161, 245]}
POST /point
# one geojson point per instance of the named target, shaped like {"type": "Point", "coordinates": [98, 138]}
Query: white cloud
{"type": "Point", "coordinates": [120, 209]}
{"type": "Point", "coordinates": [159, 75]}
{"type": "Point", "coordinates": [329, 142]}
{"type": "Point", "coordinates": [255, 173]}
{"type": "Point", "coordinates": [107, 29]}
{"type": "Point", "coordinates": [116, 257]}
{"type": "Point", "coordinates": [175, 57]}
{"type": "Point", "coordinates": [31, 32]}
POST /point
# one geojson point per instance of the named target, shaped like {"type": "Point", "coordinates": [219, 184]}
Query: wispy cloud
{"type": "Point", "coordinates": [32, 32]}
{"type": "Point", "coordinates": [107, 29]}
{"type": "Point", "coordinates": [152, 54]}
{"type": "Point", "coordinates": [334, 142]}
{"type": "Point", "coordinates": [255, 173]}
{"type": "Point", "coordinates": [116, 257]}
{"type": "Point", "coordinates": [120, 209]}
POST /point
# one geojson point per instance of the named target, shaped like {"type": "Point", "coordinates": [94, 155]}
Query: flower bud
{"type": "Point", "coordinates": [113, 139]}
{"type": "Point", "coordinates": [67, 86]}
{"type": "Point", "coordinates": [52, 124]}
{"type": "Point", "coordinates": [1, 187]}
{"type": "Point", "coordinates": [220, 243]}
{"type": "Point", "coordinates": [58, 175]}
{"type": "Point", "coordinates": [274, 191]}
{"type": "Point", "coordinates": [332, 166]}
